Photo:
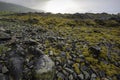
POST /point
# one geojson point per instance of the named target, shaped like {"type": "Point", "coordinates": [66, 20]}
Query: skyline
{"type": "Point", "coordinates": [71, 6]}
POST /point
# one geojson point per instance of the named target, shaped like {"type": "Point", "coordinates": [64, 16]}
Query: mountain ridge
{"type": "Point", "coordinates": [5, 6]}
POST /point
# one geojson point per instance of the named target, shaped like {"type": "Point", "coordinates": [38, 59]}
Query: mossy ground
{"type": "Point", "coordinates": [82, 30]}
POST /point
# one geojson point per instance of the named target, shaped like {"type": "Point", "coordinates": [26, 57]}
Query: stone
{"type": "Point", "coordinates": [4, 69]}
{"type": "Point", "coordinates": [71, 77]}
{"type": "Point", "coordinates": [4, 36]}
{"type": "Point", "coordinates": [60, 75]}
{"type": "Point", "coordinates": [69, 70]}
{"type": "Point", "coordinates": [118, 76]}
{"type": "Point", "coordinates": [35, 51]}
{"type": "Point", "coordinates": [15, 66]}
{"type": "Point", "coordinates": [30, 42]}
{"type": "Point", "coordinates": [75, 76]}
{"type": "Point", "coordinates": [86, 74]}
{"type": "Point", "coordinates": [95, 51]}
{"type": "Point", "coordinates": [63, 54]}
{"type": "Point", "coordinates": [101, 73]}
{"type": "Point", "coordinates": [65, 72]}
{"type": "Point", "coordinates": [93, 75]}
{"type": "Point", "coordinates": [44, 68]}
{"type": "Point", "coordinates": [51, 53]}
{"type": "Point", "coordinates": [2, 29]}
{"type": "Point", "coordinates": [81, 76]}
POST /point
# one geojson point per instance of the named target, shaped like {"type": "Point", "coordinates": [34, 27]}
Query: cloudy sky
{"type": "Point", "coordinates": [71, 6]}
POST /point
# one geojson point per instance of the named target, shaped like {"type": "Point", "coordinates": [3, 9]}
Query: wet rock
{"type": "Point", "coordinates": [43, 68]}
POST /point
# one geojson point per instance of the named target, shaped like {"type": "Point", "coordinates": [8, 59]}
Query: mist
{"type": "Point", "coordinates": [71, 6]}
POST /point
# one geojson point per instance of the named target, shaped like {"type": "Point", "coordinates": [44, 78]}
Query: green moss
{"type": "Point", "coordinates": [103, 52]}
{"type": "Point", "coordinates": [76, 68]}
{"type": "Point", "coordinates": [110, 69]}
{"type": "Point", "coordinates": [92, 60]}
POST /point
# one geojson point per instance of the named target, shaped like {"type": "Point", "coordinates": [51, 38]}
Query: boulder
{"type": "Point", "coordinates": [15, 65]}
{"type": "Point", "coordinates": [43, 68]}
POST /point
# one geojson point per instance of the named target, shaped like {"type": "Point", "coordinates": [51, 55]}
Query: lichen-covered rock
{"type": "Point", "coordinates": [43, 68]}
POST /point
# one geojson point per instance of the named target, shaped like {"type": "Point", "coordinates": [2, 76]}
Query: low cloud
{"type": "Point", "coordinates": [110, 6]}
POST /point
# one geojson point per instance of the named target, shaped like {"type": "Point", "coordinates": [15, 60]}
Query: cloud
{"type": "Point", "coordinates": [111, 6]}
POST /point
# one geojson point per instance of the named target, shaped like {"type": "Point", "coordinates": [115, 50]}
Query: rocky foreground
{"type": "Point", "coordinates": [30, 52]}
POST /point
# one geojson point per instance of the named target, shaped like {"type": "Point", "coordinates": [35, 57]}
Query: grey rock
{"type": "Point", "coordinates": [86, 74]}
{"type": "Point", "coordinates": [75, 76]}
{"type": "Point", "coordinates": [71, 77]}
{"type": "Point", "coordinates": [2, 29]}
{"type": "Point", "coordinates": [35, 51]}
{"type": "Point", "coordinates": [69, 70]}
{"type": "Point", "coordinates": [44, 68]}
{"type": "Point", "coordinates": [4, 69]}
{"type": "Point", "coordinates": [30, 42]}
{"type": "Point", "coordinates": [93, 75]}
{"type": "Point", "coordinates": [101, 73]}
{"type": "Point", "coordinates": [63, 54]}
{"type": "Point", "coordinates": [15, 66]}
{"type": "Point", "coordinates": [65, 72]}
{"type": "Point", "coordinates": [60, 75]}
{"type": "Point", "coordinates": [81, 76]}
{"type": "Point", "coordinates": [2, 77]}
{"type": "Point", "coordinates": [51, 53]}
{"type": "Point", "coordinates": [4, 36]}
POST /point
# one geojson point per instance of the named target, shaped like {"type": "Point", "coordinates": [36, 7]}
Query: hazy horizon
{"type": "Point", "coordinates": [71, 6]}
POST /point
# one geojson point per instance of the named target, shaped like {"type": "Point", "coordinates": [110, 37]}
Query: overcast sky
{"type": "Point", "coordinates": [71, 6]}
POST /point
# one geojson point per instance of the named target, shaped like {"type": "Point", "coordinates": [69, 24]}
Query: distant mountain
{"type": "Point", "coordinates": [15, 8]}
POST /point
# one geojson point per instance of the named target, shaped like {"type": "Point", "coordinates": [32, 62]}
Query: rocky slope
{"type": "Point", "coordinates": [31, 51]}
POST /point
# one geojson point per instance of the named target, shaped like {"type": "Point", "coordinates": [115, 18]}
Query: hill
{"type": "Point", "coordinates": [14, 8]}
